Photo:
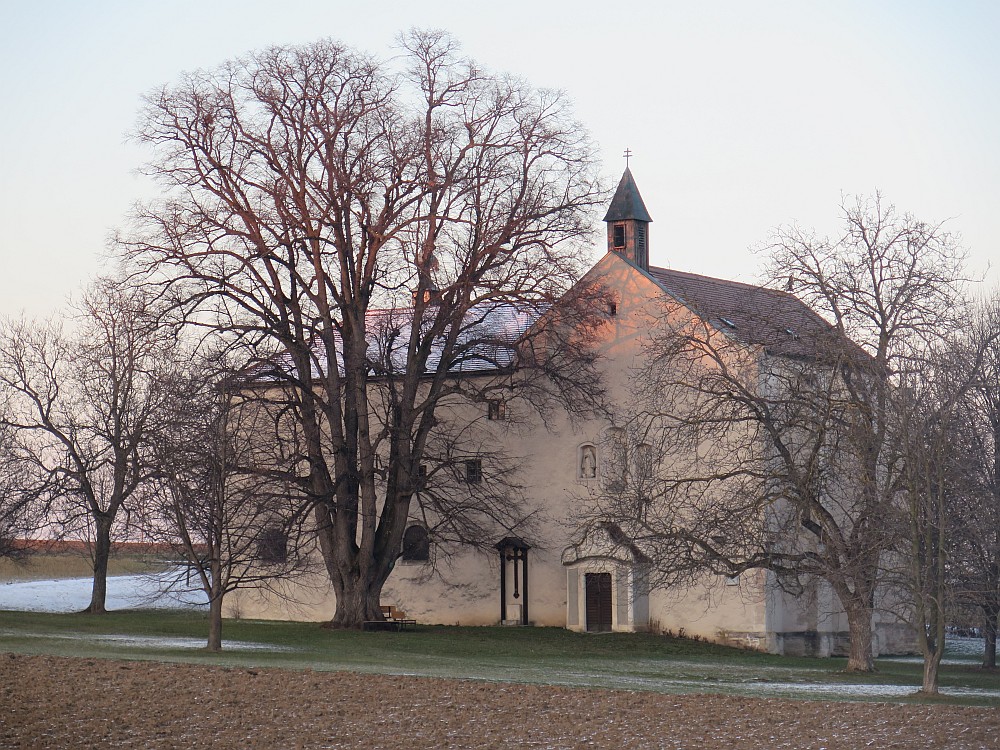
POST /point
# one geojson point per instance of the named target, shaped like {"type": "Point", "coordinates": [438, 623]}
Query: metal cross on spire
{"type": "Point", "coordinates": [627, 154]}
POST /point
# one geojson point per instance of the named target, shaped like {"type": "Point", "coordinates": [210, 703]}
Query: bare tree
{"type": "Point", "coordinates": [378, 240]}
{"type": "Point", "coordinates": [975, 560]}
{"type": "Point", "coordinates": [933, 483]}
{"type": "Point", "coordinates": [218, 501]}
{"type": "Point", "coordinates": [942, 416]}
{"type": "Point", "coordinates": [80, 404]}
{"type": "Point", "coordinates": [772, 428]}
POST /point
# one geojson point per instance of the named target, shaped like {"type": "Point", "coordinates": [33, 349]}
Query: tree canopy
{"type": "Point", "coordinates": [317, 200]}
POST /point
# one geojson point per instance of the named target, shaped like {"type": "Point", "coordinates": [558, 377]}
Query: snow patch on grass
{"type": "Point", "coordinates": [155, 591]}
{"type": "Point", "coordinates": [149, 641]}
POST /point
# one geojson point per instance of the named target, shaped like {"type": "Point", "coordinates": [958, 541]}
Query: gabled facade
{"type": "Point", "coordinates": [598, 580]}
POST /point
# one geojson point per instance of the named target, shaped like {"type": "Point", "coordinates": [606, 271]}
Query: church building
{"type": "Point", "coordinates": [595, 580]}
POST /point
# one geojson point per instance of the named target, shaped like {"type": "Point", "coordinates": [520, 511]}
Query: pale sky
{"type": "Point", "coordinates": [741, 115]}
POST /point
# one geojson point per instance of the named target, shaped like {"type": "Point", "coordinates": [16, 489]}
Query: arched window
{"type": "Point", "coordinates": [416, 544]}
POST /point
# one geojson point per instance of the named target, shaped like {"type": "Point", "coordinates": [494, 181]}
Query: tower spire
{"type": "Point", "coordinates": [628, 221]}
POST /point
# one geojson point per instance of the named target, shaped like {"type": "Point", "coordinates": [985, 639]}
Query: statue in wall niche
{"type": "Point", "coordinates": [588, 462]}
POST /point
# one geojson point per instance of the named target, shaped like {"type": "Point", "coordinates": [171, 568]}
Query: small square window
{"type": "Point", "coordinates": [612, 309]}
{"type": "Point", "coordinates": [473, 471]}
{"type": "Point", "coordinates": [497, 409]}
{"type": "Point", "coordinates": [272, 546]}
{"type": "Point", "coordinates": [422, 470]}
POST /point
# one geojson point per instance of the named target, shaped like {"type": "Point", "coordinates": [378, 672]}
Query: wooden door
{"type": "Point", "coordinates": [598, 602]}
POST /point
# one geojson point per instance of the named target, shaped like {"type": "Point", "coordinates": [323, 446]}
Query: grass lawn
{"type": "Point", "coordinates": [632, 661]}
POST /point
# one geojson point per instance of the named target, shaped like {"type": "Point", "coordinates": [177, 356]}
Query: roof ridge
{"type": "Point", "coordinates": [689, 274]}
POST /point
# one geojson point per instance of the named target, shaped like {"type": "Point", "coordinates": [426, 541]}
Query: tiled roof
{"type": "Point", "coordinates": [777, 320]}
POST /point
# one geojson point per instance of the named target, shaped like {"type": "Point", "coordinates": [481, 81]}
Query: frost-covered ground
{"type": "Point", "coordinates": [163, 590]}
{"type": "Point", "coordinates": [68, 595]}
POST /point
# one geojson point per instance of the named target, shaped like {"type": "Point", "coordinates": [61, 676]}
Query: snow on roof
{"type": "Point", "coordinates": [487, 340]}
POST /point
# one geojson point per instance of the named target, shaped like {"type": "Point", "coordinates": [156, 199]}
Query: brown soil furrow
{"type": "Point", "coordinates": [56, 702]}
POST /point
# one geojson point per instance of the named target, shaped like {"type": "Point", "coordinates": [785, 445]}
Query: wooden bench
{"type": "Point", "coordinates": [395, 620]}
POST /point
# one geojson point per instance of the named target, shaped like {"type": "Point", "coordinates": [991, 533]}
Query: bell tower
{"type": "Point", "coordinates": [628, 222]}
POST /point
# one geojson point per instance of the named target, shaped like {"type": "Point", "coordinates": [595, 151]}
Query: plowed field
{"type": "Point", "coordinates": [55, 702]}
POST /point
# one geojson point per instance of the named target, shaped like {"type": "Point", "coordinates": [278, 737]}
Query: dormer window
{"type": "Point", "coordinates": [618, 236]}
{"type": "Point", "coordinates": [727, 322]}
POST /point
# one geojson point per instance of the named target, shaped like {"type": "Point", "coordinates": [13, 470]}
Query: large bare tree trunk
{"type": "Point", "coordinates": [859, 622]}
{"type": "Point", "coordinates": [931, 668]}
{"type": "Point", "coordinates": [215, 623]}
{"type": "Point", "coordinates": [359, 591]}
{"type": "Point", "coordinates": [990, 615]}
{"type": "Point", "coordinates": [215, 606]}
{"type": "Point", "coordinates": [102, 553]}
{"type": "Point", "coordinates": [932, 644]}
{"type": "Point", "coordinates": [357, 602]}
